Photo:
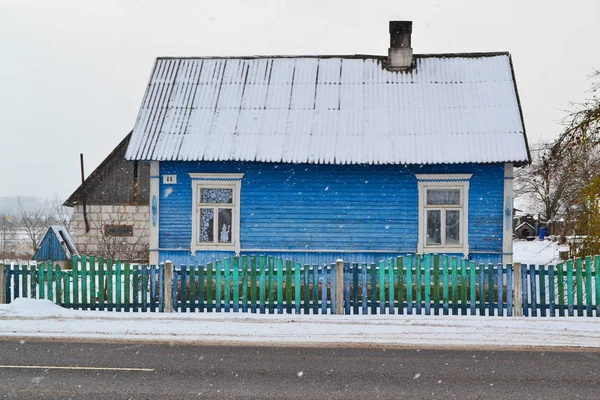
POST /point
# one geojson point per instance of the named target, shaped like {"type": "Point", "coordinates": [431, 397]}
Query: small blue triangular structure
{"type": "Point", "coordinates": [56, 245]}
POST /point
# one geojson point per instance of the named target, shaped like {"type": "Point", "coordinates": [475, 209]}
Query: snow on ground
{"type": "Point", "coordinates": [535, 252]}
{"type": "Point", "coordinates": [30, 318]}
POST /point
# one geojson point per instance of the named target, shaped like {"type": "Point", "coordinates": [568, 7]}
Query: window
{"type": "Point", "coordinates": [443, 213]}
{"type": "Point", "coordinates": [118, 230]}
{"type": "Point", "coordinates": [216, 207]}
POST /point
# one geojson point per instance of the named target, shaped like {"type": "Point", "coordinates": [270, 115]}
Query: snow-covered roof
{"type": "Point", "coordinates": [455, 108]}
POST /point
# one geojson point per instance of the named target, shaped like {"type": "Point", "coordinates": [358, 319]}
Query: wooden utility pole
{"type": "Point", "coordinates": [517, 290]}
{"type": "Point", "coordinates": [339, 287]}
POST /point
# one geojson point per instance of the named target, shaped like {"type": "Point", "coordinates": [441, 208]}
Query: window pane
{"type": "Point", "coordinates": [443, 197]}
{"type": "Point", "coordinates": [207, 217]}
{"type": "Point", "coordinates": [434, 227]}
{"type": "Point", "coordinates": [225, 232]}
{"type": "Point", "coordinates": [216, 195]}
{"type": "Point", "coordinates": [453, 227]}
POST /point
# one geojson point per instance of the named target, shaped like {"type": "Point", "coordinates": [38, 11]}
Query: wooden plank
{"type": "Point", "coordinates": [418, 259]}
{"type": "Point", "coordinates": [226, 284]}
{"type": "Point", "coordinates": [244, 283]}
{"type": "Point", "coordinates": [262, 290]}
{"type": "Point", "coordinates": [560, 289]}
{"type": "Point", "coordinates": [209, 287]}
{"type": "Point", "coordinates": [427, 282]}
{"type": "Point", "coordinates": [66, 295]}
{"type": "Point", "coordinates": [93, 277]}
{"type": "Point", "coordinates": [445, 292]}
{"type": "Point", "coordinates": [491, 302]}
{"type": "Point", "coordinates": [481, 290]}
{"type": "Point", "coordinates": [472, 287]}
{"type": "Point", "coordinates": [279, 285]}
{"type": "Point", "coordinates": [579, 282]}
{"type": "Point", "coordinates": [32, 277]}
{"type": "Point", "coordinates": [373, 289]}
{"type": "Point", "coordinates": [181, 299]}
{"type": "Point", "coordinates": [153, 279]}
{"type": "Point", "coordinates": [525, 290]}
{"type": "Point", "coordinates": [24, 288]}
{"type": "Point", "coordinates": [551, 291]}
{"type": "Point", "coordinates": [118, 288]}
{"type": "Point", "coordinates": [59, 286]}
{"type": "Point", "coordinates": [297, 303]}
{"type": "Point", "coordinates": [409, 285]}
{"type": "Point", "coordinates": [84, 273]}
{"type": "Point", "coordinates": [3, 282]}
{"type": "Point", "coordinates": [201, 288]}
{"type": "Point", "coordinates": [315, 288]}
{"type": "Point", "coordinates": [144, 272]}
{"type": "Point", "coordinates": [500, 284]}
{"type": "Point", "coordinates": [16, 286]}
{"type": "Point", "coordinates": [218, 287]}
{"type": "Point", "coordinates": [306, 286]}
{"type": "Point", "coordinates": [127, 284]}
{"type": "Point", "coordinates": [533, 290]}
{"type": "Point", "coordinates": [75, 274]}
{"type": "Point", "coordinates": [41, 279]}
{"type": "Point", "coordinates": [135, 278]}
{"type": "Point", "coordinates": [588, 286]}
{"type": "Point", "coordinates": [193, 283]}
{"type": "Point", "coordinates": [436, 284]}
{"type": "Point", "coordinates": [597, 279]}
{"type": "Point", "coordinates": [253, 284]}
{"type": "Point", "coordinates": [346, 276]}
{"type": "Point", "coordinates": [391, 285]}
{"type": "Point", "coordinates": [509, 291]}
{"type": "Point", "coordinates": [570, 298]}
{"type": "Point", "coordinates": [288, 286]}
{"type": "Point", "coordinates": [50, 286]}
{"type": "Point", "coordinates": [355, 288]}
{"type": "Point", "coordinates": [542, 273]}
{"type": "Point", "coordinates": [109, 283]}
{"type": "Point", "coordinates": [364, 283]}
{"type": "Point", "coordinates": [236, 284]}
{"type": "Point", "coordinates": [161, 288]}
{"type": "Point", "coordinates": [381, 287]}
{"type": "Point", "coordinates": [272, 301]}
{"type": "Point", "coordinates": [400, 297]}
{"type": "Point", "coordinates": [455, 300]}
{"type": "Point", "coordinates": [323, 273]}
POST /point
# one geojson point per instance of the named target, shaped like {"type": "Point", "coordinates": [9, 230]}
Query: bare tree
{"type": "Point", "coordinates": [7, 236]}
{"type": "Point", "coordinates": [61, 215]}
{"type": "Point", "coordinates": [34, 221]}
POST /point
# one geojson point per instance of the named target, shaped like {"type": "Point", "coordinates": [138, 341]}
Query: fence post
{"type": "Point", "coordinates": [339, 286]}
{"type": "Point", "coordinates": [517, 290]}
{"type": "Point", "coordinates": [2, 284]}
{"type": "Point", "coordinates": [168, 287]}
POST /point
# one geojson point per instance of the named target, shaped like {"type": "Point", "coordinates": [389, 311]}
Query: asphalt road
{"type": "Point", "coordinates": [157, 371]}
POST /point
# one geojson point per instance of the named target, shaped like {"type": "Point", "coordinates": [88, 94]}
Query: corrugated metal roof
{"type": "Point", "coordinates": [333, 110]}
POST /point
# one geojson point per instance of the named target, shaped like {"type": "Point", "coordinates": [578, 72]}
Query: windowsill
{"type": "Point", "coordinates": [444, 249]}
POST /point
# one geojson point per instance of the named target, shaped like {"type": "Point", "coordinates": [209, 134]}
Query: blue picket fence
{"type": "Point", "coordinates": [404, 285]}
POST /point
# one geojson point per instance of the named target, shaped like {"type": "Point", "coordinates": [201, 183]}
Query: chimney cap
{"type": "Point", "coordinates": [401, 27]}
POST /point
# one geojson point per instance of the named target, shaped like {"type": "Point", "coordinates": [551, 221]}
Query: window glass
{"type": "Point", "coordinates": [453, 227]}
{"type": "Point", "coordinates": [210, 195]}
{"type": "Point", "coordinates": [207, 217]}
{"type": "Point", "coordinates": [443, 197]}
{"type": "Point", "coordinates": [434, 227]}
{"type": "Point", "coordinates": [225, 233]}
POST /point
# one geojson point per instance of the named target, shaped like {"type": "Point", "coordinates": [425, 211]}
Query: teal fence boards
{"type": "Point", "coordinates": [88, 283]}
{"type": "Point", "coordinates": [404, 285]}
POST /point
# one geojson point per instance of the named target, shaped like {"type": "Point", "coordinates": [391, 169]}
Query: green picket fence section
{"type": "Point", "coordinates": [90, 284]}
{"type": "Point", "coordinates": [566, 289]}
{"type": "Point", "coordinates": [254, 284]}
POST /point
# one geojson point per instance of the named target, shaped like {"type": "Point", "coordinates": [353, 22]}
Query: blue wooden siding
{"type": "Point", "coordinates": [307, 207]}
{"type": "Point", "coordinates": [50, 249]}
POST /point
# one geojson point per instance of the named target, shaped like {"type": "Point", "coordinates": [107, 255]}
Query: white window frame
{"type": "Point", "coordinates": [220, 181]}
{"type": "Point", "coordinates": [444, 181]}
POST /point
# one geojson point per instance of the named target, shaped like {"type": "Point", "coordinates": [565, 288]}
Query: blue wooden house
{"type": "Point", "coordinates": [324, 157]}
{"type": "Point", "coordinates": [56, 246]}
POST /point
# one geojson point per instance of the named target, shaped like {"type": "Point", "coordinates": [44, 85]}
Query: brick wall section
{"type": "Point", "coordinates": [95, 243]}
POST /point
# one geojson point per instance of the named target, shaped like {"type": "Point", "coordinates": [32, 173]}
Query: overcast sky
{"type": "Point", "coordinates": [73, 73]}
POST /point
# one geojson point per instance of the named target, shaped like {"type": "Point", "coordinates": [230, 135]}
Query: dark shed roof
{"type": "Point", "coordinates": [112, 182]}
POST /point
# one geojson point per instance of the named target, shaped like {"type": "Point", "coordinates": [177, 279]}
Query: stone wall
{"type": "Point", "coordinates": [97, 242]}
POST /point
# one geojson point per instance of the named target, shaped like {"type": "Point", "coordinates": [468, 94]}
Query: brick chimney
{"type": "Point", "coordinates": [400, 54]}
